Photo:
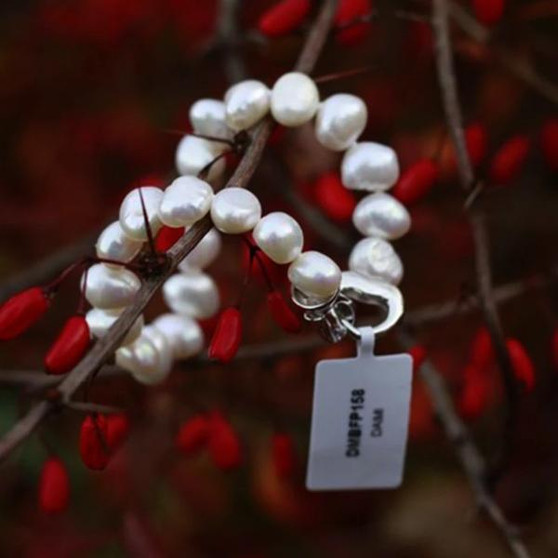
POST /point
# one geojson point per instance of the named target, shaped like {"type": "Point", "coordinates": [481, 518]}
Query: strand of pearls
{"type": "Point", "coordinates": [191, 294]}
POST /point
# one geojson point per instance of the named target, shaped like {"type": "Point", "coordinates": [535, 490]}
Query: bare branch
{"type": "Point", "coordinates": [501, 294]}
{"type": "Point", "coordinates": [228, 40]}
{"type": "Point", "coordinates": [517, 66]}
{"type": "Point", "coordinates": [469, 456]}
{"type": "Point", "coordinates": [47, 268]}
{"type": "Point", "coordinates": [448, 86]}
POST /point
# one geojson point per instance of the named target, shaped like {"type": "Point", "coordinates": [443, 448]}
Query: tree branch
{"type": "Point", "coordinates": [38, 380]}
{"type": "Point", "coordinates": [45, 269]}
{"type": "Point", "coordinates": [104, 348]}
{"type": "Point", "coordinates": [469, 456]}
{"type": "Point", "coordinates": [517, 66]}
{"type": "Point", "coordinates": [501, 294]}
{"type": "Point", "coordinates": [446, 77]}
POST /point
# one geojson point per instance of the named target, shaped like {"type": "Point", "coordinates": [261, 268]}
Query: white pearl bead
{"type": "Point", "coordinates": [193, 294]}
{"type": "Point", "coordinates": [100, 321]}
{"type": "Point", "coordinates": [194, 154]}
{"type": "Point", "coordinates": [131, 213]}
{"type": "Point", "coordinates": [184, 335]}
{"type": "Point", "coordinates": [279, 236]}
{"type": "Point", "coordinates": [148, 358]}
{"type": "Point", "coordinates": [208, 117]}
{"type": "Point", "coordinates": [377, 258]}
{"type": "Point", "coordinates": [113, 244]}
{"type": "Point", "coordinates": [294, 99]}
{"type": "Point", "coordinates": [185, 201]}
{"type": "Point", "coordinates": [340, 121]}
{"type": "Point", "coordinates": [315, 275]}
{"type": "Point", "coordinates": [381, 215]}
{"type": "Point", "coordinates": [109, 287]}
{"type": "Point", "coordinates": [204, 253]}
{"type": "Point", "coordinates": [162, 344]}
{"type": "Point", "coordinates": [369, 166]}
{"type": "Point", "coordinates": [246, 103]}
{"type": "Point", "coordinates": [235, 210]}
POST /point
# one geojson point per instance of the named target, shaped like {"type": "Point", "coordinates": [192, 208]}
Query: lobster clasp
{"type": "Point", "coordinates": [336, 316]}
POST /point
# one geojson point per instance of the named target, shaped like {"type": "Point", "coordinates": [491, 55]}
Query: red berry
{"type": "Point", "coordinates": [283, 455]}
{"type": "Point", "coordinates": [418, 354]}
{"type": "Point", "coordinates": [416, 182]}
{"type": "Point", "coordinates": [523, 366]}
{"type": "Point", "coordinates": [337, 202]}
{"type": "Point", "coordinates": [224, 445]}
{"type": "Point", "coordinates": [69, 347]}
{"type": "Point", "coordinates": [167, 237]}
{"type": "Point", "coordinates": [21, 311]}
{"type": "Point", "coordinates": [348, 13]}
{"type": "Point", "coordinates": [488, 12]}
{"type": "Point", "coordinates": [474, 395]}
{"type": "Point", "coordinates": [118, 427]}
{"type": "Point", "coordinates": [54, 486]}
{"type": "Point", "coordinates": [549, 143]}
{"type": "Point", "coordinates": [476, 141]}
{"type": "Point", "coordinates": [508, 161]}
{"type": "Point", "coordinates": [227, 336]}
{"type": "Point", "coordinates": [93, 444]}
{"type": "Point", "coordinates": [282, 313]}
{"type": "Point", "coordinates": [193, 434]}
{"type": "Point", "coordinates": [283, 17]}
{"type": "Point", "coordinates": [481, 349]}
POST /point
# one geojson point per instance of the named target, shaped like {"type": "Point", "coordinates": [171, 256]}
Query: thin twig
{"type": "Point", "coordinates": [503, 293]}
{"type": "Point", "coordinates": [228, 40]}
{"type": "Point", "coordinates": [519, 67]}
{"type": "Point", "coordinates": [47, 268]}
{"type": "Point", "coordinates": [313, 217]}
{"type": "Point", "coordinates": [36, 380]}
{"type": "Point", "coordinates": [469, 456]}
{"type": "Point", "coordinates": [89, 407]}
{"type": "Point", "coordinates": [105, 347]}
{"type": "Point", "coordinates": [448, 86]}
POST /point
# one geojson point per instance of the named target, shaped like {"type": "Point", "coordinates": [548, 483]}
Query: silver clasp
{"type": "Point", "coordinates": [336, 316]}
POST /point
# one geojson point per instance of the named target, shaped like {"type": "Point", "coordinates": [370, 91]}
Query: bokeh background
{"type": "Point", "coordinates": [94, 96]}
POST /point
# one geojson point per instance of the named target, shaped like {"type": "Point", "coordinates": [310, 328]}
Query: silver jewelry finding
{"type": "Point", "coordinates": [336, 316]}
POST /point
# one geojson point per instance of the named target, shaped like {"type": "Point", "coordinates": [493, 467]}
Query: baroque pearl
{"type": "Point", "coordinates": [340, 121]}
{"type": "Point", "coordinates": [109, 287]}
{"type": "Point", "coordinates": [148, 358]}
{"type": "Point", "coordinates": [294, 99]}
{"type": "Point", "coordinates": [114, 244]}
{"type": "Point", "coordinates": [381, 215]}
{"type": "Point", "coordinates": [184, 335]}
{"type": "Point", "coordinates": [208, 117]}
{"type": "Point", "coordinates": [193, 294]}
{"type": "Point", "coordinates": [100, 321]}
{"type": "Point", "coordinates": [195, 154]}
{"type": "Point", "coordinates": [235, 210]}
{"type": "Point", "coordinates": [369, 166]}
{"type": "Point", "coordinates": [279, 236]}
{"type": "Point", "coordinates": [204, 253]}
{"type": "Point", "coordinates": [315, 275]}
{"type": "Point", "coordinates": [185, 201]}
{"type": "Point", "coordinates": [376, 258]}
{"type": "Point", "coordinates": [246, 103]}
{"type": "Point", "coordinates": [131, 212]}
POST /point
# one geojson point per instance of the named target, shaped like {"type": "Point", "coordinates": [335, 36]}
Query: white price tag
{"type": "Point", "coordinates": [360, 420]}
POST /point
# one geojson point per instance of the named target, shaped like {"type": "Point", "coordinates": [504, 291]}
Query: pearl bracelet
{"type": "Point", "coordinates": [318, 286]}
